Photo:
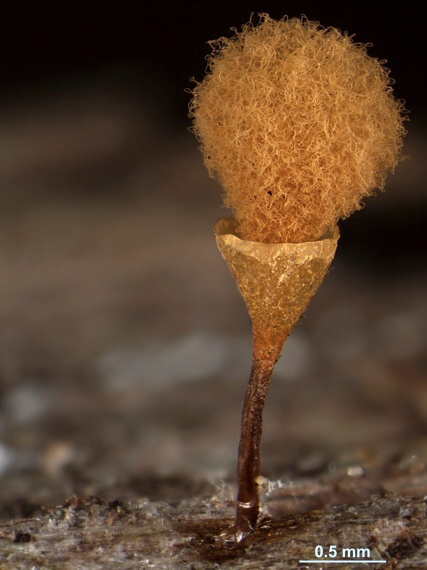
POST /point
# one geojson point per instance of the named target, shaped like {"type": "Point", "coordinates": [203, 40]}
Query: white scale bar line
{"type": "Point", "coordinates": [342, 561]}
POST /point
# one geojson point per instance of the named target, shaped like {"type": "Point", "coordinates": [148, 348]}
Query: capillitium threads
{"type": "Point", "coordinates": [298, 124]}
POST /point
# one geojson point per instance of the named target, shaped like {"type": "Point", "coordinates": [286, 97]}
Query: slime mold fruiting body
{"type": "Point", "coordinates": [298, 124]}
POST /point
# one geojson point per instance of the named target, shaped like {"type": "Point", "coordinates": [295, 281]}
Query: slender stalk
{"type": "Point", "coordinates": [266, 351]}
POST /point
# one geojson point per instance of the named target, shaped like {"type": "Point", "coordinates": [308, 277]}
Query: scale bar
{"type": "Point", "coordinates": [324, 561]}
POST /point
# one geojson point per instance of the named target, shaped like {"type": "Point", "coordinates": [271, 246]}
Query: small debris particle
{"type": "Point", "coordinates": [21, 537]}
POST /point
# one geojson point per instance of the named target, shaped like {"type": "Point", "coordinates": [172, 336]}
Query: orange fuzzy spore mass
{"type": "Point", "coordinates": [298, 124]}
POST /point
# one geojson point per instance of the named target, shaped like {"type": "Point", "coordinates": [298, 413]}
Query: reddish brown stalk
{"type": "Point", "coordinates": [266, 351]}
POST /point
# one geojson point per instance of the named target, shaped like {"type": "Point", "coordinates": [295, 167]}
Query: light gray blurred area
{"type": "Point", "coordinates": [124, 345]}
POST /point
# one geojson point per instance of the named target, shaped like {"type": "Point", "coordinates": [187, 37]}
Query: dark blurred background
{"type": "Point", "coordinates": [121, 330]}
